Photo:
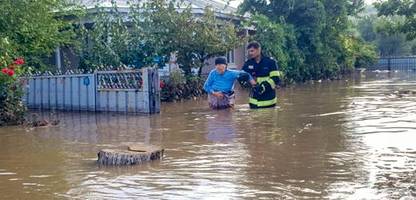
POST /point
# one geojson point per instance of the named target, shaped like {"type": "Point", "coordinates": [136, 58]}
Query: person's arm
{"type": "Point", "coordinates": [252, 81]}
{"type": "Point", "coordinates": [242, 73]}
{"type": "Point", "coordinates": [208, 83]}
{"type": "Point", "coordinates": [208, 86]}
{"type": "Point", "coordinates": [245, 78]}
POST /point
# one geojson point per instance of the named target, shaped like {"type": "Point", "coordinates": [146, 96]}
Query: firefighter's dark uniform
{"type": "Point", "coordinates": [267, 77]}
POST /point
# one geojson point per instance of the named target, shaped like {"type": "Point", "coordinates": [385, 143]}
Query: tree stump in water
{"type": "Point", "coordinates": [133, 154]}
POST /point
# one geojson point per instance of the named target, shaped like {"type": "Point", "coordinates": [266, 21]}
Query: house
{"type": "Point", "coordinates": [65, 59]}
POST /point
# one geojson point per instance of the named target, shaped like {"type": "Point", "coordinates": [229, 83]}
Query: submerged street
{"type": "Point", "coordinates": [350, 139]}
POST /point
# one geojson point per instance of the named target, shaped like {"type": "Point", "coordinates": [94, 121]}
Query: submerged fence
{"type": "Point", "coordinates": [396, 63]}
{"type": "Point", "coordinates": [132, 91]}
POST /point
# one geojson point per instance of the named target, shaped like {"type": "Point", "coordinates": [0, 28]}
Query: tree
{"type": "Point", "coordinates": [319, 31]}
{"type": "Point", "coordinates": [35, 28]}
{"type": "Point", "coordinates": [194, 39]}
{"type": "Point", "coordinates": [151, 31]}
{"type": "Point", "coordinates": [107, 41]}
{"type": "Point", "coordinates": [377, 30]}
{"type": "Point", "coordinates": [29, 32]}
{"type": "Point", "coordinates": [366, 28]}
{"type": "Point", "coordinates": [403, 8]}
{"type": "Point", "coordinates": [209, 37]}
{"type": "Point", "coordinates": [279, 41]}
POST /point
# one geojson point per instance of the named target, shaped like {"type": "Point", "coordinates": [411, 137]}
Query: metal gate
{"type": "Point", "coordinates": [132, 91]}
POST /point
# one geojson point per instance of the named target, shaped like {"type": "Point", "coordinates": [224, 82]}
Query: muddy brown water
{"type": "Point", "coordinates": [350, 139]}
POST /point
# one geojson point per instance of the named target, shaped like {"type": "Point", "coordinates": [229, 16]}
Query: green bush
{"type": "Point", "coordinates": [35, 28]}
{"type": "Point", "coordinates": [179, 87]}
{"type": "Point", "coordinates": [309, 39]}
{"type": "Point", "coordinates": [155, 30]}
{"type": "Point", "coordinates": [12, 110]}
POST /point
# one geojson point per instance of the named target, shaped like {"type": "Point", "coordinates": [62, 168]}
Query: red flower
{"type": "Point", "coordinates": [5, 70]}
{"type": "Point", "coordinates": [10, 72]}
{"type": "Point", "coordinates": [162, 84]}
{"type": "Point", "coordinates": [19, 61]}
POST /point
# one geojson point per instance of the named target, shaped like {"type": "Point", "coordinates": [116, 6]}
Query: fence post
{"type": "Point", "coordinates": [389, 63]}
{"type": "Point", "coordinates": [155, 91]}
{"type": "Point", "coordinates": [151, 89]}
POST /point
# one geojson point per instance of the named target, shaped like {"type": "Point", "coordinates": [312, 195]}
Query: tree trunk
{"type": "Point", "coordinates": [202, 64]}
{"type": "Point", "coordinates": [132, 155]}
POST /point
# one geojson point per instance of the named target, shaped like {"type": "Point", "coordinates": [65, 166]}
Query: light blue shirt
{"type": "Point", "coordinates": [217, 82]}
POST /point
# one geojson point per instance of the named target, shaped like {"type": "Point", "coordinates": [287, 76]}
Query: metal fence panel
{"type": "Point", "coordinates": [67, 93]}
{"type": "Point", "coordinates": [38, 93]}
{"type": "Point", "coordinates": [60, 94]}
{"type": "Point", "coordinates": [116, 91]}
{"type": "Point", "coordinates": [53, 93]}
{"type": "Point", "coordinates": [30, 92]}
{"type": "Point", "coordinates": [45, 92]}
{"type": "Point", "coordinates": [396, 63]}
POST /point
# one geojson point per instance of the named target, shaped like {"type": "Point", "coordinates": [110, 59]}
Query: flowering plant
{"type": "Point", "coordinates": [9, 69]}
{"type": "Point", "coordinates": [12, 109]}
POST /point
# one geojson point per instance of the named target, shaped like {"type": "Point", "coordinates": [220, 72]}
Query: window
{"type": "Point", "coordinates": [230, 57]}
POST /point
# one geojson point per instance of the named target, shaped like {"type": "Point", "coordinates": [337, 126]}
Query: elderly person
{"type": "Point", "coordinates": [220, 84]}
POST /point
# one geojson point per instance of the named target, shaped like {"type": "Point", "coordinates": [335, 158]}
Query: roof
{"type": "Point", "coordinates": [218, 5]}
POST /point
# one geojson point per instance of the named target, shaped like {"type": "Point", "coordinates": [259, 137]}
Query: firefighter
{"type": "Point", "coordinates": [265, 72]}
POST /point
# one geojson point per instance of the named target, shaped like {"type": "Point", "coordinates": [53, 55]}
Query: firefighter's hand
{"type": "Point", "coordinates": [218, 94]}
{"type": "Point", "coordinates": [253, 83]}
{"type": "Point", "coordinates": [259, 89]}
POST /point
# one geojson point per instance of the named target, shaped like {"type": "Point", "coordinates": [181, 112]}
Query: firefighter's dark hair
{"type": "Point", "coordinates": [253, 44]}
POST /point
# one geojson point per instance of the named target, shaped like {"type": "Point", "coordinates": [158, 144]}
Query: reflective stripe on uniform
{"type": "Point", "coordinates": [263, 103]}
{"type": "Point", "coordinates": [276, 73]}
{"type": "Point", "coordinates": [268, 79]}
{"type": "Point", "coordinates": [271, 82]}
{"type": "Point", "coordinates": [262, 79]}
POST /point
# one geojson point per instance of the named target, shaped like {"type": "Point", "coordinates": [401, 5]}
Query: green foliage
{"type": "Point", "coordinates": [279, 41]}
{"type": "Point", "coordinates": [12, 109]}
{"type": "Point", "coordinates": [29, 29]}
{"type": "Point", "coordinates": [209, 37]}
{"type": "Point", "coordinates": [35, 28]}
{"type": "Point", "coordinates": [106, 42]}
{"type": "Point", "coordinates": [358, 53]}
{"type": "Point", "coordinates": [380, 32]}
{"type": "Point", "coordinates": [155, 30]}
{"type": "Point", "coordinates": [179, 87]}
{"type": "Point", "coordinates": [366, 55]}
{"type": "Point", "coordinates": [403, 8]}
{"type": "Point", "coordinates": [309, 38]}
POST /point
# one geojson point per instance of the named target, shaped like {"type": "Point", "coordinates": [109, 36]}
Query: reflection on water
{"type": "Point", "coordinates": [350, 139]}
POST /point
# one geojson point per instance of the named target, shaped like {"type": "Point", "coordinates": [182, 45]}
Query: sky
{"type": "Point", "coordinates": [235, 3]}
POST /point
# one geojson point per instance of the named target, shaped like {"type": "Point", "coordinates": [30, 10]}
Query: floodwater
{"type": "Point", "coordinates": [350, 139]}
